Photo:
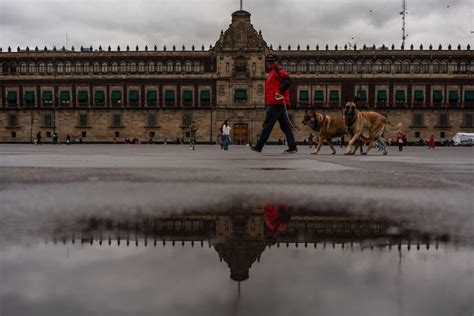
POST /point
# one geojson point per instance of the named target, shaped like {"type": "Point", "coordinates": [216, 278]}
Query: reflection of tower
{"type": "Point", "coordinates": [240, 254]}
{"type": "Point", "coordinates": [238, 250]}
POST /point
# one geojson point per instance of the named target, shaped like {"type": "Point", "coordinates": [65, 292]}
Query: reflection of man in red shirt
{"type": "Point", "coordinates": [276, 218]}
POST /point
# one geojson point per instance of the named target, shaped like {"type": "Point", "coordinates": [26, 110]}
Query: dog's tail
{"type": "Point", "coordinates": [389, 127]}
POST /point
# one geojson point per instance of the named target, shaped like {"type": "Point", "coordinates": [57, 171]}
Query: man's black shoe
{"type": "Point", "coordinates": [255, 149]}
{"type": "Point", "coordinates": [291, 151]}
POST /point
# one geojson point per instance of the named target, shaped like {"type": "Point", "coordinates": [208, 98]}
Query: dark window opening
{"type": "Point", "coordinates": [417, 134]}
{"type": "Point", "coordinates": [418, 120]}
{"type": "Point", "coordinates": [83, 120]}
{"type": "Point", "coordinates": [48, 120]}
{"type": "Point", "coordinates": [84, 134]}
{"type": "Point", "coordinates": [151, 120]}
{"type": "Point", "coordinates": [117, 120]}
{"type": "Point", "coordinates": [442, 134]}
{"type": "Point", "coordinates": [152, 134]}
{"type": "Point", "coordinates": [48, 134]}
{"type": "Point", "coordinates": [13, 134]}
{"type": "Point", "coordinates": [12, 120]}
{"type": "Point", "coordinates": [117, 134]}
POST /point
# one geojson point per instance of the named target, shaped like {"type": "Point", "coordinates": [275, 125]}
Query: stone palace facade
{"type": "Point", "coordinates": [107, 94]}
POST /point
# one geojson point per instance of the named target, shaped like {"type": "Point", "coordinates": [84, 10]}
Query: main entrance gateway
{"type": "Point", "coordinates": [240, 134]}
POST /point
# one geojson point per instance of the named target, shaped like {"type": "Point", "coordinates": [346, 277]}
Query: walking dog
{"type": "Point", "coordinates": [328, 127]}
{"type": "Point", "coordinates": [369, 126]}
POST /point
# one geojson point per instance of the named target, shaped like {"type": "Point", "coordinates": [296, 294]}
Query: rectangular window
{"type": "Point", "coordinates": [48, 120]}
{"type": "Point", "coordinates": [47, 97]}
{"type": "Point", "coordinates": [304, 96]}
{"type": "Point", "coordinates": [13, 134]}
{"type": "Point", "coordinates": [12, 120]}
{"type": "Point", "coordinates": [437, 96]}
{"type": "Point", "coordinates": [169, 98]}
{"type": "Point", "coordinates": [418, 120]}
{"type": "Point", "coordinates": [468, 120]}
{"type": "Point", "coordinates": [419, 96]}
{"type": "Point", "coordinates": [319, 96]}
{"type": "Point", "coordinates": [442, 134]}
{"type": "Point", "coordinates": [187, 98]}
{"type": "Point", "coordinates": [187, 119]}
{"type": "Point", "coordinates": [116, 97]}
{"type": "Point", "coordinates": [82, 97]}
{"type": "Point", "coordinates": [30, 97]}
{"type": "Point", "coordinates": [133, 97]}
{"type": "Point", "coordinates": [417, 134]}
{"type": "Point", "coordinates": [99, 97]}
{"type": "Point", "coordinates": [117, 120]}
{"type": "Point", "coordinates": [382, 95]}
{"type": "Point", "coordinates": [11, 98]}
{"type": "Point", "coordinates": [469, 95]}
{"type": "Point", "coordinates": [83, 134]}
{"type": "Point", "coordinates": [361, 95]}
{"type": "Point", "coordinates": [83, 120]}
{"type": "Point", "coordinates": [64, 97]}
{"type": "Point", "coordinates": [400, 96]}
{"type": "Point", "coordinates": [152, 134]}
{"type": "Point", "coordinates": [334, 95]}
{"type": "Point", "coordinates": [205, 97]}
{"type": "Point", "coordinates": [48, 134]}
{"type": "Point", "coordinates": [151, 120]}
{"type": "Point", "coordinates": [443, 120]}
{"type": "Point", "coordinates": [117, 134]}
{"type": "Point", "coordinates": [240, 96]}
{"type": "Point", "coordinates": [453, 96]}
{"type": "Point", "coordinates": [151, 98]}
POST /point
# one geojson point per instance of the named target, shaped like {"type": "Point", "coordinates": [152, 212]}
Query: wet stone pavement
{"type": "Point", "coordinates": [162, 230]}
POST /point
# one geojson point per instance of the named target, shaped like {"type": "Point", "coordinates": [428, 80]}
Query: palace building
{"type": "Point", "coordinates": [105, 94]}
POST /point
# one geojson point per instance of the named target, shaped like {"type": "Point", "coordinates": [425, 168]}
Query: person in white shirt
{"type": "Point", "coordinates": [226, 134]}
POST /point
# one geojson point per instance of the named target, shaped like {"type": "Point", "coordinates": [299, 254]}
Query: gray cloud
{"type": "Point", "coordinates": [146, 22]}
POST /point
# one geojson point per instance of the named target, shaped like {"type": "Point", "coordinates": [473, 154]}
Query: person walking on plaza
{"type": "Point", "coordinates": [192, 136]}
{"type": "Point", "coordinates": [277, 99]}
{"type": "Point", "coordinates": [226, 135]}
{"type": "Point", "coordinates": [431, 142]}
{"type": "Point", "coordinates": [401, 137]}
{"type": "Point", "coordinates": [311, 140]}
{"type": "Point", "coordinates": [38, 138]}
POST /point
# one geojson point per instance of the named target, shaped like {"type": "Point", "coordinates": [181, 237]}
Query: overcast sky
{"type": "Point", "coordinates": [150, 22]}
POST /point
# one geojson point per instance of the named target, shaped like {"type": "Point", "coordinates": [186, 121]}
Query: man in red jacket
{"type": "Point", "coordinates": [277, 99]}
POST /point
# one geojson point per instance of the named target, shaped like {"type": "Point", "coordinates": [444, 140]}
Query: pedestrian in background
{"type": "Point", "coordinates": [311, 140]}
{"type": "Point", "coordinates": [226, 135]}
{"type": "Point", "coordinates": [38, 138]}
{"type": "Point", "coordinates": [192, 135]}
{"type": "Point", "coordinates": [401, 138]}
{"type": "Point", "coordinates": [431, 142]}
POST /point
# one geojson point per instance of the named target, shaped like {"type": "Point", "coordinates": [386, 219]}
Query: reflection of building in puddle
{"type": "Point", "coordinates": [241, 236]}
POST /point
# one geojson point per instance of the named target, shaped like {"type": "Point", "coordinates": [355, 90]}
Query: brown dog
{"type": "Point", "coordinates": [328, 127]}
{"type": "Point", "coordinates": [369, 126]}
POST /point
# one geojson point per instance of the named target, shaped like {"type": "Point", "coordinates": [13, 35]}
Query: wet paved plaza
{"type": "Point", "coordinates": [162, 230]}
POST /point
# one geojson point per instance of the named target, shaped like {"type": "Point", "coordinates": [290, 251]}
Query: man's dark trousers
{"type": "Point", "coordinates": [276, 112]}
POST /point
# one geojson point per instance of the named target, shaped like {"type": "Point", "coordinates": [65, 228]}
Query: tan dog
{"type": "Point", "coordinates": [368, 126]}
{"type": "Point", "coordinates": [328, 127]}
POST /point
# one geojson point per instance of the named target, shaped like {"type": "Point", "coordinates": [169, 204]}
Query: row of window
{"type": "Point", "coordinates": [418, 120]}
{"type": "Point", "coordinates": [381, 96]}
{"type": "Point", "coordinates": [101, 68]}
{"type": "Point", "coordinates": [116, 120]}
{"type": "Point", "coordinates": [116, 98]}
{"type": "Point", "coordinates": [378, 67]}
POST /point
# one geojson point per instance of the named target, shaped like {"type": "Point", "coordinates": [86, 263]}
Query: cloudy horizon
{"type": "Point", "coordinates": [199, 22]}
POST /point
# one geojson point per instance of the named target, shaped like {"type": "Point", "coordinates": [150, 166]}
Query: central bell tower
{"type": "Point", "coordinates": [240, 61]}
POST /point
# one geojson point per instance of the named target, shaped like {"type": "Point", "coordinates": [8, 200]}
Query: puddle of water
{"type": "Point", "coordinates": [241, 260]}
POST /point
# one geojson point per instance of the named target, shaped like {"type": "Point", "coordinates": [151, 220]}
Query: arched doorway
{"type": "Point", "coordinates": [241, 134]}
